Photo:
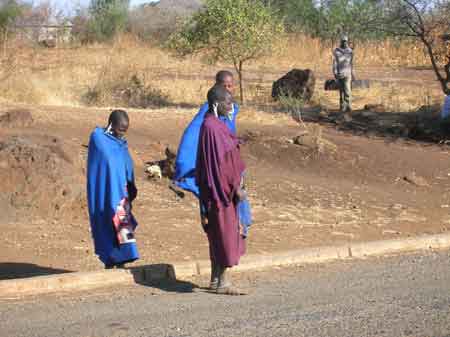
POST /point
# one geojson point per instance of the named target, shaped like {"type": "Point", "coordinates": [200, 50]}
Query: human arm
{"type": "Point", "coordinates": [131, 185]}
{"type": "Point", "coordinates": [351, 66]}
{"type": "Point", "coordinates": [203, 216]}
{"type": "Point", "coordinates": [132, 190]}
{"type": "Point", "coordinates": [241, 193]}
{"type": "Point", "coordinates": [335, 66]}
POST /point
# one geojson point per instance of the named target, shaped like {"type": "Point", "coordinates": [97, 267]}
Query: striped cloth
{"type": "Point", "coordinates": [123, 223]}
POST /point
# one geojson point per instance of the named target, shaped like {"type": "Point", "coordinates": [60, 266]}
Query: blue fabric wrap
{"type": "Point", "coordinates": [187, 150]}
{"type": "Point", "coordinates": [109, 169]}
{"type": "Point", "coordinates": [187, 159]}
{"type": "Point", "coordinates": [245, 216]}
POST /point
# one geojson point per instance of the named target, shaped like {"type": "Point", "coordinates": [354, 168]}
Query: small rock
{"type": "Point", "coordinates": [349, 235]}
{"type": "Point", "coordinates": [347, 118]}
{"type": "Point", "coordinates": [397, 206]}
{"type": "Point", "coordinates": [414, 179]}
{"type": "Point", "coordinates": [377, 108]}
{"type": "Point", "coordinates": [389, 231]}
{"type": "Point", "coordinates": [297, 83]}
{"type": "Point", "coordinates": [323, 113]}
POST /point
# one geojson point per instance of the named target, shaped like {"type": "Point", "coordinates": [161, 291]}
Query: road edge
{"type": "Point", "coordinates": [81, 281]}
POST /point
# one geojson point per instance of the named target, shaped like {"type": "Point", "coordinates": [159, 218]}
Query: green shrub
{"type": "Point", "coordinates": [106, 18]}
{"type": "Point", "coordinates": [127, 91]}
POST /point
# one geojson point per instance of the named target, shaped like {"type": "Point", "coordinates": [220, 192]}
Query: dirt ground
{"type": "Point", "coordinates": [357, 186]}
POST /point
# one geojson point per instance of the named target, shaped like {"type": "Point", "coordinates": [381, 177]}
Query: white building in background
{"type": "Point", "coordinates": [48, 35]}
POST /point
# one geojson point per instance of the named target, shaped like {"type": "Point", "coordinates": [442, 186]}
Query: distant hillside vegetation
{"type": "Point", "coordinates": [180, 7]}
{"type": "Point", "coordinates": [157, 20]}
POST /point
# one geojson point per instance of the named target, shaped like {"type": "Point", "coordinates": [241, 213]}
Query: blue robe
{"type": "Point", "coordinates": [109, 171]}
{"type": "Point", "coordinates": [187, 150]}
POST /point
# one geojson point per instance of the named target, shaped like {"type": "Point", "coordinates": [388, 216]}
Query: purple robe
{"type": "Point", "coordinates": [219, 171]}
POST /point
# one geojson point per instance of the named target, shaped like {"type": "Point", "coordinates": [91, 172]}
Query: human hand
{"type": "Point", "coordinates": [241, 194]}
{"type": "Point", "coordinates": [241, 230]}
{"type": "Point", "coordinates": [204, 221]}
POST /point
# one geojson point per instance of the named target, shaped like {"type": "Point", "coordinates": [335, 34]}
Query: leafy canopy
{"type": "Point", "coordinates": [328, 19]}
{"type": "Point", "coordinates": [229, 29]}
{"type": "Point", "coordinates": [107, 18]}
{"type": "Point", "coordinates": [10, 10]}
{"type": "Point", "coordinates": [234, 31]}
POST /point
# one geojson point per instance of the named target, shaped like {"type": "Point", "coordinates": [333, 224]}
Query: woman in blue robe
{"type": "Point", "coordinates": [111, 191]}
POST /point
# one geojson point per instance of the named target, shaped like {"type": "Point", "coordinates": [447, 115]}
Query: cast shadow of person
{"type": "Point", "coordinates": [15, 270]}
{"type": "Point", "coordinates": [162, 276]}
{"type": "Point", "coordinates": [423, 125]}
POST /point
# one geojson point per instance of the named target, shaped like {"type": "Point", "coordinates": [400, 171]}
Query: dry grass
{"type": "Point", "coordinates": [393, 96]}
{"type": "Point", "coordinates": [63, 76]}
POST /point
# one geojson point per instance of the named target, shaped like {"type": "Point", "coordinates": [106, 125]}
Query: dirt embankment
{"type": "Point", "coordinates": [41, 175]}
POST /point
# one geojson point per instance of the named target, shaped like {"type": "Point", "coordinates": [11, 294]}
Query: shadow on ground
{"type": "Point", "coordinates": [162, 276]}
{"type": "Point", "coordinates": [10, 270]}
{"type": "Point", "coordinates": [423, 125]}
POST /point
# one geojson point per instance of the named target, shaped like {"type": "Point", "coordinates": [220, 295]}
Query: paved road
{"type": "Point", "coordinates": [394, 296]}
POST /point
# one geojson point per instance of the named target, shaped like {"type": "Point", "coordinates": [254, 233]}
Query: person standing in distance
{"type": "Point", "coordinates": [343, 73]}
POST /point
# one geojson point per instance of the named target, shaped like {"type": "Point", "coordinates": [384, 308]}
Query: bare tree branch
{"type": "Point", "coordinates": [425, 21]}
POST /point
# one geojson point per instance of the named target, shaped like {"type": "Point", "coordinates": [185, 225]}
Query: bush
{"type": "Point", "coordinates": [10, 10]}
{"type": "Point", "coordinates": [292, 105]}
{"type": "Point", "coordinates": [80, 31]}
{"type": "Point", "coordinates": [101, 22]}
{"type": "Point", "coordinates": [127, 91]}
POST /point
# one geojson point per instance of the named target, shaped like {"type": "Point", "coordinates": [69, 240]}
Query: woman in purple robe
{"type": "Point", "coordinates": [219, 171]}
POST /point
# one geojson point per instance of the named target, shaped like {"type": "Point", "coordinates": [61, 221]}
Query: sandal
{"type": "Point", "coordinates": [232, 291]}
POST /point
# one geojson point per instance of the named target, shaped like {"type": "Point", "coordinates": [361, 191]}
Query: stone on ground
{"type": "Point", "coordinates": [297, 83]}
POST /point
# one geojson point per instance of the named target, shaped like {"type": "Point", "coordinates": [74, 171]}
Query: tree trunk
{"type": "Point", "coordinates": [5, 41]}
{"type": "Point", "coordinates": [241, 84]}
{"type": "Point", "coordinates": [443, 81]}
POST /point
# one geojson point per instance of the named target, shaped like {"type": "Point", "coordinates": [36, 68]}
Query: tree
{"type": "Point", "coordinates": [107, 18]}
{"type": "Point", "coordinates": [328, 19]}
{"type": "Point", "coordinates": [337, 17]}
{"type": "Point", "coordinates": [299, 15]}
{"type": "Point", "coordinates": [239, 31]}
{"type": "Point", "coordinates": [10, 10]}
{"type": "Point", "coordinates": [427, 21]}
